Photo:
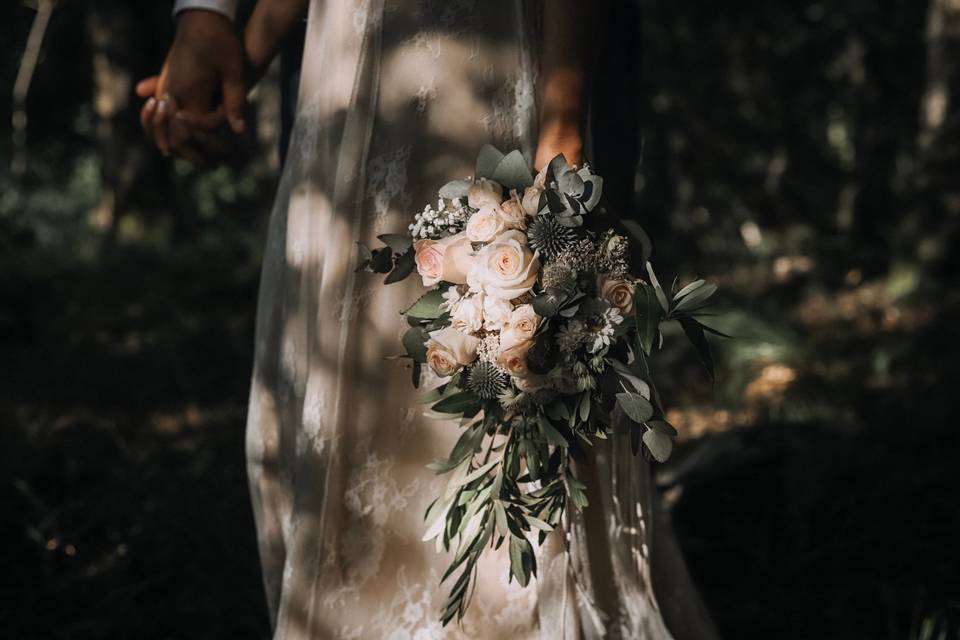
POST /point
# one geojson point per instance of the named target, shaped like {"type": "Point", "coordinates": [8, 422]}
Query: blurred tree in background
{"type": "Point", "coordinates": [801, 154]}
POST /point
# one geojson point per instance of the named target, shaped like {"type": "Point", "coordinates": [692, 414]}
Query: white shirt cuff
{"type": "Point", "coordinates": [225, 7]}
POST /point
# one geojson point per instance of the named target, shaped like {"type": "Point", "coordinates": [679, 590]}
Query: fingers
{"type": "Point", "coordinates": [160, 123]}
{"type": "Point", "coordinates": [146, 116]}
{"type": "Point", "coordinates": [147, 87]}
{"type": "Point", "coordinates": [210, 121]}
{"type": "Point", "coordinates": [200, 136]}
{"type": "Point", "coordinates": [234, 97]}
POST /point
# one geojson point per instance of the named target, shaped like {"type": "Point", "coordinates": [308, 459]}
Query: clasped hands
{"type": "Point", "coordinates": [195, 107]}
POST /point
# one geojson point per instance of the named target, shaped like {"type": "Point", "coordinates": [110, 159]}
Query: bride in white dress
{"type": "Point", "coordinates": [396, 98]}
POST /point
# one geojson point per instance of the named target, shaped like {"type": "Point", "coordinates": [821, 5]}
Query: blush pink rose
{"type": "Point", "coordinates": [449, 259]}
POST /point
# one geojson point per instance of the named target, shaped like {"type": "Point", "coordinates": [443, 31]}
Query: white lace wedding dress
{"type": "Point", "coordinates": [396, 98]}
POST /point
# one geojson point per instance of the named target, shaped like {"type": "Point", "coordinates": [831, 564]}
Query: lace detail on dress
{"type": "Point", "coordinates": [386, 184]}
{"type": "Point", "coordinates": [372, 495]}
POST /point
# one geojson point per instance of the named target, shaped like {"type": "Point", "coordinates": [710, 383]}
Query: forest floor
{"type": "Point", "coordinates": [126, 512]}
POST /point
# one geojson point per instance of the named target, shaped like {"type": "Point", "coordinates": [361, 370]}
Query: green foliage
{"type": "Point", "coordinates": [427, 306]}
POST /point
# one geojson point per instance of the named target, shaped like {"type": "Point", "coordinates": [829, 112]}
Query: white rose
{"type": "Point", "coordinates": [496, 313]}
{"type": "Point", "coordinates": [486, 224]}
{"type": "Point", "coordinates": [449, 259]}
{"type": "Point", "coordinates": [514, 359]}
{"type": "Point", "coordinates": [531, 200]}
{"type": "Point", "coordinates": [484, 192]}
{"type": "Point", "coordinates": [458, 258]}
{"type": "Point", "coordinates": [451, 296]}
{"type": "Point", "coordinates": [521, 326]}
{"type": "Point", "coordinates": [505, 268]}
{"type": "Point", "coordinates": [512, 212]}
{"type": "Point", "coordinates": [619, 293]}
{"type": "Point", "coordinates": [467, 313]}
{"type": "Point", "coordinates": [449, 350]}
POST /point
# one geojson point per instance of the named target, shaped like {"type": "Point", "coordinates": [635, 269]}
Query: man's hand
{"type": "Point", "coordinates": [205, 66]}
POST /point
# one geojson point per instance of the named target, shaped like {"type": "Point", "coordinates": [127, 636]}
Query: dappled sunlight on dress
{"type": "Point", "coordinates": [396, 98]}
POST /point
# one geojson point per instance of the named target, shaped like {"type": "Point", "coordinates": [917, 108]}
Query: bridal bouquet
{"type": "Point", "coordinates": [541, 338]}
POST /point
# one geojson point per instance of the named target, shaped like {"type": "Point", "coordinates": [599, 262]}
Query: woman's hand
{"type": "Point", "coordinates": [567, 54]}
{"type": "Point", "coordinates": [559, 138]}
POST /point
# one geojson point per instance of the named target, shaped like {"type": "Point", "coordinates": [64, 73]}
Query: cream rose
{"type": "Point", "coordinates": [467, 314]}
{"type": "Point", "coordinates": [619, 293]}
{"type": "Point", "coordinates": [514, 359]}
{"type": "Point", "coordinates": [512, 212]}
{"type": "Point", "coordinates": [458, 258]}
{"type": "Point", "coordinates": [521, 326]}
{"type": "Point", "coordinates": [484, 192]}
{"type": "Point", "coordinates": [496, 313]}
{"type": "Point", "coordinates": [505, 268]}
{"type": "Point", "coordinates": [449, 350]}
{"type": "Point", "coordinates": [486, 224]}
{"type": "Point", "coordinates": [531, 200]}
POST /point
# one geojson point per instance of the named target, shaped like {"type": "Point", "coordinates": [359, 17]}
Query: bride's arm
{"type": "Point", "coordinates": [266, 30]}
{"type": "Point", "coordinates": [568, 30]}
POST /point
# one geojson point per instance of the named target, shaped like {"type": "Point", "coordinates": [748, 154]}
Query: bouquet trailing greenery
{"type": "Point", "coordinates": [542, 341]}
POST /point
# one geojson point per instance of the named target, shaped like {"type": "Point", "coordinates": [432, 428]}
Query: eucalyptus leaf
{"type": "Point", "coordinates": [619, 420]}
{"type": "Point", "coordinates": [512, 172]}
{"type": "Point", "coordinates": [414, 340]}
{"type": "Point", "coordinates": [547, 304]}
{"type": "Point", "coordinates": [555, 202]}
{"type": "Point", "coordinates": [591, 198]}
{"type": "Point", "coordinates": [398, 242]}
{"type": "Point", "coordinates": [659, 444]}
{"type": "Point", "coordinates": [427, 306]}
{"type": "Point", "coordinates": [364, 257]}
{"type": "Point", "coordinates": [557, 167]}
{"type": "Point", "coordinates": [455, 189]}
{"type": "Point", "coordinates": [635, 406]}
{"type": "Point", "coordinates": [487, 161]}
{"type": "Point", "coordinates": [404, 266]}
{"type": "Point", "coordinates": [662, 426]}
{"type": "Point", "coordinates": [571, 184]}
{"type": "Point", "coordinates": [416, 372]}
{"type": "Point", "coordinates": [569, 312]}
{"type": "Point", "coordinates": [381, 260]}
